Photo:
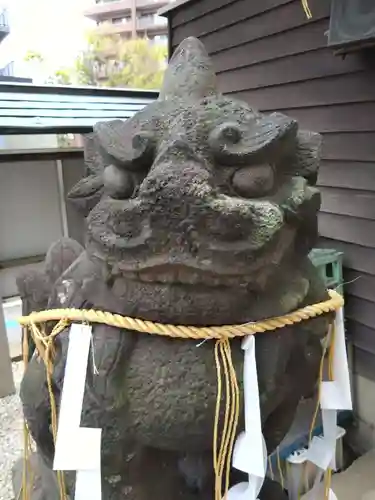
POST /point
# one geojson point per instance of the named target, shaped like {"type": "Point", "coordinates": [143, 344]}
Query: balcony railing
{"type": "Point", "coordinates": [151, 4]}
{"type": "Point", "coordinates": [4, 19]}
{"type": "Point", "coordinates": [138, 3]}
{"type": "Point", "coordinates": [106, 10]}
{"type": "Point", "coordinates": [103, 10]}
{"type": "Point", "coordinates": [108, 28]}
{"type": "Point", "coordinates": [7, 70]}
{"type": "Point", "coordinates": [104, 2]}
{"type": "Point", "coordinates": [150, 23]}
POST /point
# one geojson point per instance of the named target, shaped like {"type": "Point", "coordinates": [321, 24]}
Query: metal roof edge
{"type": "Point", "coordinates": [28, 88]}
{"type": "Point", "coordinates": [48, 109]}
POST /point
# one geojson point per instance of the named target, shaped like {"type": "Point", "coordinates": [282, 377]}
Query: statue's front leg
{"type": "Point", "coordinates": [272, 490]}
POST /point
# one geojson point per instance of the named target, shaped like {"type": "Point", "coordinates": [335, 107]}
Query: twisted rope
{"type": "Point", "coordinates": [186, 332]}
{"type": "Point", "coordinates": [306, 8]}
{"type": "Point", "coordinates": [223, 360]}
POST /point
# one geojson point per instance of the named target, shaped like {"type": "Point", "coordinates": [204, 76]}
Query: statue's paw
{"type": "Point", "coordinates": [272, 490]}
{"type": "Point", "coordinates": [196, 470]}
{"type": "Point", "coordinates": [44, 486]}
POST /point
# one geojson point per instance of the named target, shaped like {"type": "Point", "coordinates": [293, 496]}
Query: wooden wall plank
{"type": "Point", "coordinates": [195, 10]}
{"type": "Point", "coordinates": [334, 89]}
{"type": "Point", "coordinates": [356, 257]}
{"type": "Point", "coordinates": [364, 364]}
{"type": "Point", "coordinates": [299, 67]}
{"type": "Point", "coordinates": [349, 146]}
{"type": "Point", "coordinates": [223, 17]}
{"type": "Point", "coordinates": [347, 174]}
{"type": "Point", "coordinates": [336, 118]}
{"type": "Point", "coordinates": [282, 44]}
{"type": "Point", "coordinates": [347, 229]}
{"type": "Point", "coordinates": [349, 202]}
{"type": "Point", "coordinates": [360, 285]}
{"type": "Point", "coordinates": [360, 310]}
{"type": "Point", "coordinates": [362, 336]}
{"type": "Point", "coordinates": [281, 18]}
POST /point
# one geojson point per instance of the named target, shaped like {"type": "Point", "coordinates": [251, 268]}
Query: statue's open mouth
{"type": "Point", "coordinates": [173, 266]}
{"type": "Point", "coordinates": [182, 274]}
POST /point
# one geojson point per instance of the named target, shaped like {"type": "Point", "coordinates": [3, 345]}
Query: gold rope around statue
{"type": "Point", "coordinates": [306, 8]}
{"type": "Point", "coordinates": [223, 359]}
{"type": "Point", "coordinates": [225, 332]}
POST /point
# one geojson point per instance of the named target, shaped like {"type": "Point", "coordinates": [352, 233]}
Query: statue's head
{"type": "Point", "coordinates": [200, 188]}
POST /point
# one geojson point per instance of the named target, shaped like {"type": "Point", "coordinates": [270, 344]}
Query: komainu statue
{"type": "Point", "coordinates": [200, 211]}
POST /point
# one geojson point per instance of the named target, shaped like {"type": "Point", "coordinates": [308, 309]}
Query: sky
{"type": "Point", "coordinates": [55, 28]}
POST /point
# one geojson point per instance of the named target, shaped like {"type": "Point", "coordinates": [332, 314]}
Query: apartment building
{"type": "Point", "coordinates": [8, 72]}
{"type": "Point", "coordinates": [4, 32]}
{"type": "Point", "coordinates": [4, 24]}
{"type": "Point", "coordinates": [130, 18]}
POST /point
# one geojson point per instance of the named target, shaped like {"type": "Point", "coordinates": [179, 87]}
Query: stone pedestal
{"type": "Point", "coordinates": [355, 483]}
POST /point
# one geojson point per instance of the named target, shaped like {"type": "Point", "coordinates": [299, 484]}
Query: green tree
{"type": "Point", "coordinates": [92, 62]}
{"type": "Point", "coordinates": [62, 76]}
{"type": "Point", "coordinates": [38, 61]}
{"type": "Point", "coordinates": [33, 56]}
{"type": "Point", "coordinates": [141, 65]}
{"type": "Point", "coordinates": [113, 62]}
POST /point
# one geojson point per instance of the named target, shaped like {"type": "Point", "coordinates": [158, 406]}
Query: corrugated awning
{"type": "Point", "coordinates": [32, 109]}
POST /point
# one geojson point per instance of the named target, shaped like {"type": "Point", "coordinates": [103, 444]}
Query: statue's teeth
{"type": "Point", "coordinates": [164, 278]}
{"type": "Point", "coordinates": [188, 277]}
{"type": "Point", "coordinates": [147, 277]}
{"type": "Point", "coordinates": [184, 277]}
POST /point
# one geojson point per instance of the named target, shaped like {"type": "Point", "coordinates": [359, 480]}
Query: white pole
{"type": "Point", "coordinates": [60, 183]}
{"type": "Point", "coordinates": [6, 375]}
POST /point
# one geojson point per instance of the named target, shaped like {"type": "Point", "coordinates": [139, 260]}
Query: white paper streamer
{"type": "Point", "coordinates": [295, 469]}
{"type": "Point", "coordinates": [78, 448]}
{"type": "Point", "coordinates": [335, 395]}
{"type": "Point", "coordinates": [316, 486]}
{"type": "Point", "coordinates": [297, 462]}
{"type": "Point", "coordinates": [331, 495]}
{"type": "Point", "coordinates": [250, 454]}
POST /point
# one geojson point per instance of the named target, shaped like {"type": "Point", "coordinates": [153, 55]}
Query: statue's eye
{"type": "Point", "coordinates": [254, 181]}
{"type": "Point", "coordinates": [142, 153]}
{"type": "Point", "coordinates": [118, 183]}
{"type": "Point", "coordinates": [253, 140]}
{"type": "Point", "coordinates": [118, 145]}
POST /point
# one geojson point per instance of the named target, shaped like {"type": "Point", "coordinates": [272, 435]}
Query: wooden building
{"type": "Point", "coordinates": [269, 54]}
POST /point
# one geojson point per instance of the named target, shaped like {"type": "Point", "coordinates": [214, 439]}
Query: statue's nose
{"type": "Point", "coordinates": [178, 174]}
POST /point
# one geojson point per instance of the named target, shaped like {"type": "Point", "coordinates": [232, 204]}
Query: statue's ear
{"type": "Point", "coordinates": [34, 288]}
{"type": "Point", "coordinates": [307, 155]}
{"type": "Point", "coordinates": [92, 154]}
{"type": "Point", "coordinates": [190, 74]}
{"type": "Point", "coordinates": [60, 256]}
{"type": "Point", "coordinates": [88, 191]}
{"type": "Point", "coordinates": [86, 194]}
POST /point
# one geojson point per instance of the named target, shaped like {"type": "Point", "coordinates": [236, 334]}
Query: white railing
{"type": "Point", "coordinates": [7, 70]}
{"type": "Point", "coordinates": [4, 18]}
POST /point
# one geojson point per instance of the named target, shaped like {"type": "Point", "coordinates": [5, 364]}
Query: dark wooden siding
{"type": "Point", "coordinates": [267, 53]}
